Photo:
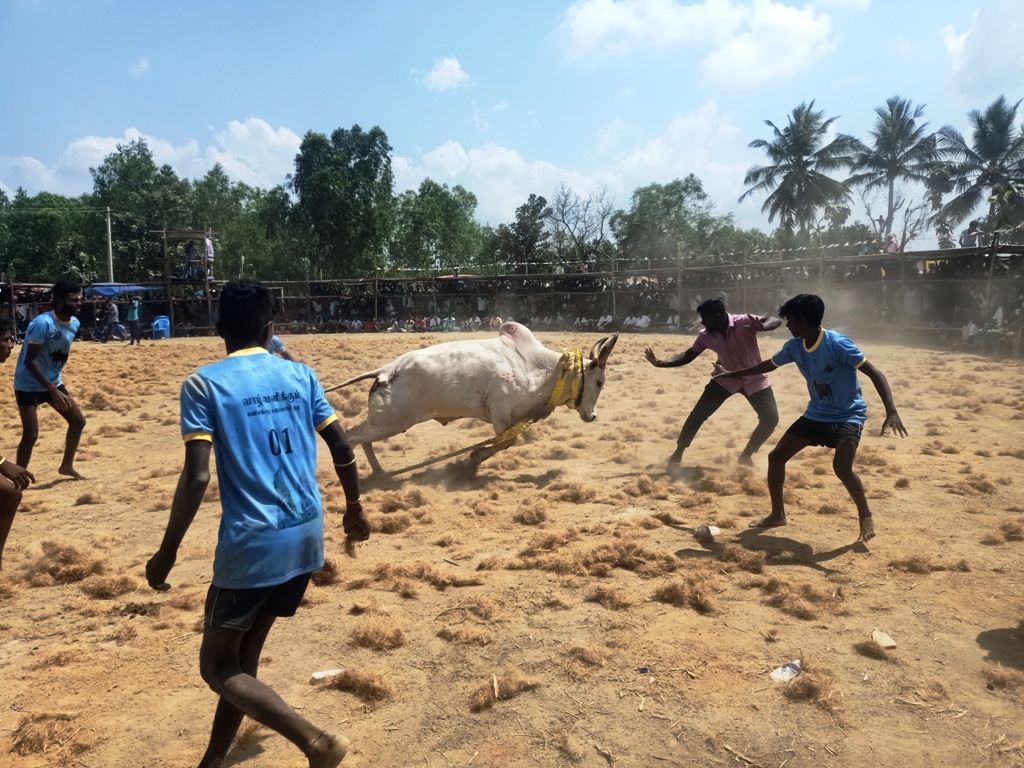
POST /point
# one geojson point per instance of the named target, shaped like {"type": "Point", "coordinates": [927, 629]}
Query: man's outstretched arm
{"type": "Point", "coordinates": [892, 418]}
{"type": "Point", "coordinates": [769, 323]}
{"type": "Point", "coordinates": [684, 358]}
{"type": "Point", "coordinates": [765, 366]}
{"type": "Point", "coordinates": [192, 483]}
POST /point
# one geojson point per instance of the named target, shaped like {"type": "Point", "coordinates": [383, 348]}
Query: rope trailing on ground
{"type": "Point", "coordinates": [570, 373]}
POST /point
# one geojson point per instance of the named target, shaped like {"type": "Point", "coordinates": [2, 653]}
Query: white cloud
{"type": "Point", "coordinates": [857, 5]}
{"type": "Point", "coordinates": [982, 58]}
{"type": "Point", "coordinates": [779, 42]}
{"type": "Point", "coordinates": [250, 151]}
{"type": "Point", "coordinates": [751, 41]}
{"type": "Point", "coordinates": [139, 67]}
{"type": "Point", "coordinates": [446, 74]}
{"type": "Point", "coordinates": [502, 179]}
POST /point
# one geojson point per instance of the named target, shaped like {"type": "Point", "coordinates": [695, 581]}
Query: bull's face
{"type": "Point", "coordinates": [593, 378]}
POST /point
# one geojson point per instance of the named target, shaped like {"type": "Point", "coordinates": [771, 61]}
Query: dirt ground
{"type": "Point", "coordinates": [565, 577]}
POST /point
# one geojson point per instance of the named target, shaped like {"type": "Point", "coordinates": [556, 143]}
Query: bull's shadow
{"type": "Point", "coordinates": [455, 476]}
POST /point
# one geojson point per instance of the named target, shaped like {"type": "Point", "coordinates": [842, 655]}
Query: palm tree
{"type": "Point", "coordinates": [988, 167]}
{"type": "Point", "coordinates": [797, 179]}
{"type": "Point", "coordinates": [900, 151]}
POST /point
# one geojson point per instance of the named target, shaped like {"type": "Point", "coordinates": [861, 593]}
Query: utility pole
{"type": "Point", "coordinates": [110, 251]}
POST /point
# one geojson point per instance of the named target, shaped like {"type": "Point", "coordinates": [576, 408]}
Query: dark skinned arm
{"type": "Point", "coordinates": [892, 418]}
{"type": "Point", "coordinates": [192, 483]}
{"type": "Point", "coordinates": [769, 323]}
{"type": "Point", "coordinates": [357, 527]}
{"type": "Point", "coordinates": [684, 358]}
{"type": "Point", "coordinates": [765, 366]}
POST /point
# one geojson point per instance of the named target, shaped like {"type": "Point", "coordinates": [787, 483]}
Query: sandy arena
{"type": "Point", "coordinates": [565, 578]}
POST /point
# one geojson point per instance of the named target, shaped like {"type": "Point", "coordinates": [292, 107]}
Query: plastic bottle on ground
{"type": "Point", "coordinates": [787, 671]}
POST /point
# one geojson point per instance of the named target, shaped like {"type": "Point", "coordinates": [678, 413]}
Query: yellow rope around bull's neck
{"type": "Point", "coordinates": [570, 371]}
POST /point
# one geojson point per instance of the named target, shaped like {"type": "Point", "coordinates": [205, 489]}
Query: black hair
{"type": "Point", "coordinates": [711, 307]}
{"type": "Point", "coordinates": [6, 326]}
{"type": "Point", "coordinates": [805, 306]}
{"type": "Point", "coordinates": [246, 306]}
{"type": "Point", "coordinates": [64, 288]}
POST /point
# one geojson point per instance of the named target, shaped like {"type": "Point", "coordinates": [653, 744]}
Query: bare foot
{"type": "Point", "coordinates": [745, 460]}
{"type": "Point", "coordinates": [327, 751]}
{"type": "Point", "coordinates": [71, 472]}
{"type": "Point", "coordinates": [772, 521]}
{"type": "Point", "coordinates": [867, 529]}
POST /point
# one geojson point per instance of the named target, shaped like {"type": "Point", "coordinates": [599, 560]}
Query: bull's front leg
{"type": "Point", "coordinates": [371, 457]}
{"type": "Point", "coordinates": [358, 436]}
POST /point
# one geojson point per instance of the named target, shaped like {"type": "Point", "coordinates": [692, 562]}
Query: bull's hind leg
{"type": "Point", "coordinates": [371, 457]}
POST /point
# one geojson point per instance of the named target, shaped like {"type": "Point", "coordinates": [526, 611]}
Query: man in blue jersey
{"type": "Point", "coordinates": [37, 376]}
{"type": "Point", "coordinates": [261, 416]}
{"type": "Point", "coordinates": [835, 415]}
{"type": "Point", "coordinates": [13, 478]}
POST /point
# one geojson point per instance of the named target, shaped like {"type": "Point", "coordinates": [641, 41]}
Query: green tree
{"type": "Point", "coordinates": [580, 227]}
{"type": "Point", "coordinates": [900, 151]}
{"type": "Point", "coordinates": [143, 200]}
{"type": "Point", "coordinates": [523, 245]}
{"type": "Point", "coordinates": [345, 199]}
{"type": "Point", "coordinates": [985, 169]}
{"type": "Point", "coordinates": [434, 228]}
{"type": "Point", "coordinates": [666, 221]}
{"type": "Point", "coordinates": [797, 177]}
{"type": "Point", "coordinates": [43, 238]}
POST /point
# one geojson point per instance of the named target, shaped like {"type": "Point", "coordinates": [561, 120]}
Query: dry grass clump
{"type": "Point", "coordinates": [647, 487]}
{"type": "Point", "coordinates": [1018, 454]}
{"type": "Point", "coordinates": [830, 509]}
{"type": "Point", "coordinates": [720, 486]}
{"type": "Point", "coordinates": [249, 733]}
{"type": "Point", "coordinates": [327, 575]}
{"type": "Point", "coordinates": [393, 523]}
{"type": "Point", "coordinates": [53, 733]}
{"type": "Point", "coordinates": [798, 600]}
{"type": "Point", "coordinates": [873, 650]}
{"type": "Point", "coordinates": [63, 563]}
{"type": "Point", "coordinates": [87, 498]}
{"type": "Point", "coordinates": [501, 688]}
{"type": "Point", "coordinates": [693, 591]}
{"type": "Point", "coordinates": [574, 493]}
{"type": "Point", "coordinates": [378, 635]}
{"type": "Point", "coordinates": [922, 564]}
{"type": "Point", "coordinates": [109, 587]}
{"type": "Point", "coordinates": [530, 515]}
{"type": "Point", "coordinates": [549, 542]}
{"type": "Point", "coordinates": [372, 688]}
{"type": "Point", "coordinates": [55, 659]}
{"type": "Point", "coordinates": [186, 601]}
{"type": "Point", "coordinates": [734, 556]}
{"type": "Point", "coordinates": [693, 500]}
{"type": "Point", "coordinates": [591, 657]}
{"type": "Point", "coordinates": [395, 577]}
{"type": "Point", "coordinates": [395, 501]}
{"type": "Point", "coordinates": [902, 482]}
{"type": "Point", "coordinates": [569, 745]}
{"type": "Point", "coordinates": [629, 555]}
{"type": "Point", "coordinates": [817, 686]}
{"type": "Point", "coordinates": [1002, 677]}
{"type": "Point", "coordinates": [466, 635]}
{"type": "Point", "coordinates": [8, 586]}
{"type": "Point", "coordinates": [609, 597]}
{"type": "Point", "coordinates": [1012, 531]}
{"type": "Point", "coordinates": [667, 518]}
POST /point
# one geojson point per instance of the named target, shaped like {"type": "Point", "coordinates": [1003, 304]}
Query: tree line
{"type": "Point", "coordinates": [338, 215]}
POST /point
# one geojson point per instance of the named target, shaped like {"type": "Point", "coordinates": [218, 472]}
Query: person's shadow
{"type": "Point", "coordinates": [1005, 645]}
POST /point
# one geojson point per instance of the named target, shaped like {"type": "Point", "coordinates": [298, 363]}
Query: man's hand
{"type": "Point", "coordinates": [61, 402]}
{"type": "Point", "coordinates": [652, 358]}
{"type": "Point", "coordinates": [20, 476]}
{"type": "Point", "coordinates": [356, 526]}
{"type": "Point", "coordinates": [893, 421]}
{"type": "Point", "coordinates": [720, 373]}
{"type": "Point", "coordinates": [158, 568]}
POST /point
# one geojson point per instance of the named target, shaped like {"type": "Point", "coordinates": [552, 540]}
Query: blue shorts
{"type": "Point", "coordinates": [238, 608]}
{"type": "Point", "coordinates": [825, 433]}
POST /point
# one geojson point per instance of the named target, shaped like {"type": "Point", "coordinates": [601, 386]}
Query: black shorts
{"type": "Point", "coordinates": [238, 608]}
{"type": "Point", "coordinates": [825, 433]}
{"type": "Point", "coordinates": [26, 399]}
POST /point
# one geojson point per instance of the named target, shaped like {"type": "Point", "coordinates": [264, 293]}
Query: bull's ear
{"type": "Point", "coordinates": [602, 349]}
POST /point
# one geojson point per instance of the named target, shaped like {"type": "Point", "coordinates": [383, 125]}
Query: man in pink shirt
{"type": "Point", "coordinates": [734, 339]}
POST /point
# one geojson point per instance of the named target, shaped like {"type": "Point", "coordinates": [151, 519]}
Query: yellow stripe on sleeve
{"type": "Point", "coordinates": [198, 436]}
{"type": "Point", "coordinates": [858, 365]}
{"type": "Point", "coordinates": [326, 422]}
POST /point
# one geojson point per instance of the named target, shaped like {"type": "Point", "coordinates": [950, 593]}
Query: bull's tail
{"type": "Point", "coordinates": [360, 377]}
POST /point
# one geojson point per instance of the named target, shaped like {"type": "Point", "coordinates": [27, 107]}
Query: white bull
{"type": "Point", "coordinates": [503, 381]}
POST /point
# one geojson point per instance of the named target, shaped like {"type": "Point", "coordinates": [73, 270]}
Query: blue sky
{"type": "Point", "coordinates": [506, 99]}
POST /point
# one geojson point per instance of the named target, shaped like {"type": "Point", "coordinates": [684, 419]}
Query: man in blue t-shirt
{"type": "Point", "coordinates": [835, 414]}
{"type": "Point", "coordinates": [261, 415]}
{"type": "Point", "coordinates": [37, 375]}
